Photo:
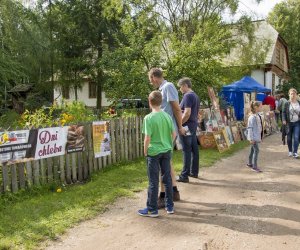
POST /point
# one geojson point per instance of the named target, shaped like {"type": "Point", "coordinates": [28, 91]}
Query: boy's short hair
{"type": "Point", "coordinates": [155, 98]}
{"type": "Point", "coordinates": [156, 72]}
{"type": "Point", "coordinates": [185, 81]}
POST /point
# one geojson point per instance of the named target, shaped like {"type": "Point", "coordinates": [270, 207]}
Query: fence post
{"type": "Point", "coordinates": [43, 164]}
{"type": "Point", "coordinates": [62, 168]}
{"type": "Point", "coordinates": [68, 170]}
{"type": "Point", "coordinates": [125, 122]}
{"type": "Point", "coordinates": [141, 138]}
{"type": "Point", "coordinates": [90, 148]}
{"type": "Point", "coordinates": [5, 178]}
{"type": "Point", "coordinates": [36, 173]}
{"type": "Point", "coordinates": [113, 141]}
{"type": "Point", "coordinates": [129, 139]}
{"type": "Point", "coordinates": [29, 174]}
{"type": "Point", "coordinates": [21, 174]}
{"type": "Point", "coordinates": [74, 167]}
{"type": "Point", "coordinates": [14, 178]}
{"type": "Point", "coordinates": [79, 159]}
{"type": "Point", "coordinates": [137, 136]}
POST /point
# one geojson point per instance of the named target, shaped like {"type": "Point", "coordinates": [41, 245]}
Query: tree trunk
{"type": "Point", "coordinates": [51, 51]}
{"type": "Point", "coordinates": [76, 87]}
{"type": "Point", "coordinates": [100, 75]}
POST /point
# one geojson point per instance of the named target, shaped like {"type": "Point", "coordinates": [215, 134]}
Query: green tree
{"type": "Point", "coordinates": [285, 17]}
{"type": "Point", "coordinates": [23, 50]}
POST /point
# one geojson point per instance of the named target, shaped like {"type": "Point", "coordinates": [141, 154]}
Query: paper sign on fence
{"type": "Point", "coordinates": [101, 138]}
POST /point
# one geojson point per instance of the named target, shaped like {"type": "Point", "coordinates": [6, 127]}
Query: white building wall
{"type": "Point", "coordinates": [258, 75]}
{"type": "Point", "coordinates": [269, 80]}
{"type": "Point", "coordinates": [83, 96]}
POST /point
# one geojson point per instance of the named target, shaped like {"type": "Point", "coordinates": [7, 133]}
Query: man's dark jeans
{"type": "Point", "coordinates": [154, 163]}
{"type": "Point", "coordinates": [190, 154]}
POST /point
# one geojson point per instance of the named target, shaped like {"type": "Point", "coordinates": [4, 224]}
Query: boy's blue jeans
{"type": "Point", "coordinates": [190, 154]}
{"type": "Point", "coordinates": [254, 154]}
{"type": "Point", "coordinates": [154, 163]}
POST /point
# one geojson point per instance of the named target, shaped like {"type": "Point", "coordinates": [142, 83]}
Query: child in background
{"type": "Point", "coordinates": [158, 144]}
{"type": "Point", "coordinates": [254, 130]}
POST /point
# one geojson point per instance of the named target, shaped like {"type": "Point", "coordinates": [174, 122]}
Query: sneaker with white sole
{"type": "Point", "coordinates": [170, 210]}
{"type": "Point", "coordinates": [295, 155]}
{"type": "Point", "coordinates": [290, 154]}
{"type": "Point", "coordinates": [146, 213]}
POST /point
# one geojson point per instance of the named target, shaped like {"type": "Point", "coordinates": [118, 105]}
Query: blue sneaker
{"type": "Point", "coordinates": [146, 213]}
{"type": "Point", "coordinates": [170, 210]}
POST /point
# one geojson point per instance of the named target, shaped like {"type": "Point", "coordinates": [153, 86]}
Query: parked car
{"type": "Point", "coordinates": [132, 103]}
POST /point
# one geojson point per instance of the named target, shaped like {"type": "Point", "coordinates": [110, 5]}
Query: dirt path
{"type": "Point", "coordinates": [229, 207]}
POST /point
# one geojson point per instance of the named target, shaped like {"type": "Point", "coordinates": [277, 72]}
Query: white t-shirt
{"type": "Point", "coordinates": [294, 111]}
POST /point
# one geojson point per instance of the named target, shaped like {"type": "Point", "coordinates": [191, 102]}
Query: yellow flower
{"type": "Point", "coordinates": [5, 137]}
{"type": "Point", "coordinates": [63, 121]}
{"type": "Point", "coordinates": [58, 190]}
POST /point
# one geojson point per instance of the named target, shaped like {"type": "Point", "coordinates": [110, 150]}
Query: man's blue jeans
{"type": "Point", "coordinates": [293, 135]}
{"type": "Point", "coordinates": [154, 163]}
{"type": "Point", "coordinates": [190, 154]}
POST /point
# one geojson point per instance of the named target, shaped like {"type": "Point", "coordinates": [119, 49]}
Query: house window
{"type": "Point", "coordinates": [92, 90]}
{"type": "Point", "coordinates": [66, 92]}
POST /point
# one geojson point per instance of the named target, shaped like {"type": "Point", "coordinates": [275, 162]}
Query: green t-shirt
{"type": "Point", "coordinates": [159, 126]}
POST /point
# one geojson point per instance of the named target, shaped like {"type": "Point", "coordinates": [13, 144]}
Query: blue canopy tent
{"type": "Point", "coordinates": [234, 93]}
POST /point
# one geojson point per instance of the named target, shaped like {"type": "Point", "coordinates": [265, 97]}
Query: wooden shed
{"type": "Point", "coordinates": [19, 94]}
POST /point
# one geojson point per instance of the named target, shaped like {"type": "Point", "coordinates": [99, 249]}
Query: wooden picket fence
{"type": "Point", "coordinates": [126, 145]}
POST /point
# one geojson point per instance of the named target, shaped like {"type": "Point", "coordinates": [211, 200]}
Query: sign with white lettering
{"type": "Point", "coordinates": [17, 146]}
{"type": "Point", "coordinates": [51, 142]}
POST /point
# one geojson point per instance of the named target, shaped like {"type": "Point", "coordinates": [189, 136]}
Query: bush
{"type": "Point", "coordinates": [9, 119]}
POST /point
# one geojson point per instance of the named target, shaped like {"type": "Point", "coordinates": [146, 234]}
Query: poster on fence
{"type": "Point", "coordinates": [17, 146]}
{"type": "Point", "coordinates": [101, 138]}
{"type": "Point", "coordinates": [75, 139]}
{"type": "Point", "coordinates": [51, 142]}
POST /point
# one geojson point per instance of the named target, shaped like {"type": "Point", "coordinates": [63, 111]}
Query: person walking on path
{"type": "Point", "coordinates": [291, 118]}
{"type": "Point", "coordinates": [189, 105]}
{"type": "Point", "coordinates": [170, 104]}
{"type": "Point", "coordinates": [158, 144]}
{"type": "Point", "coordinates": [254, 130]}
{"type": "Point", "coordinates": [270, 100]}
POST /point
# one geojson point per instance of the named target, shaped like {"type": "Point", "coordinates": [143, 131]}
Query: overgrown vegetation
{"type": "Point", "coordinates": [285, 17]}
{"type": "Point", "coordinates": [113, 44]}
{"type": "Point", "coordinates": [39, 214]}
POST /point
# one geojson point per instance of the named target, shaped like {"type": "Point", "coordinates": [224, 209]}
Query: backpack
{"type": "Point", "coordinates": [281, 104]}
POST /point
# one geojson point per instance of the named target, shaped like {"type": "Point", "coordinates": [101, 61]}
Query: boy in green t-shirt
{"type": "Point", "coordinates": [158, 144]}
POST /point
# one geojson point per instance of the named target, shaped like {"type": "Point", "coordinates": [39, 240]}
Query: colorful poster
{"type": "Point", "coordinates": [101, 138]}
{"type": "Point", "coordinates": [17, 146]}
{"type": "Point", "coordinates": [221, 140]}
{"type": "Point", "coordinates": [75, 139]}
{"type": "Point", "coordinates": [207, 140]}
{"type": "Point", "coordinates": [229, 134]}
{"type": "Point", "coordinates": [235, 133]}
{"type": "Point", "coordinates": [51, 142]}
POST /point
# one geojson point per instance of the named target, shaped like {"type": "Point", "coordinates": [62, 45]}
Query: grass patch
{"type": "Point", "coordinates": [30, 217]}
